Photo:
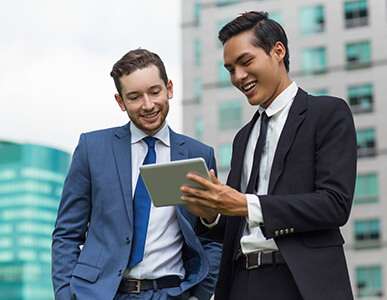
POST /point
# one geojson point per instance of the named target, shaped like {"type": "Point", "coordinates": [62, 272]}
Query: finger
{"type": "Point", "coordinates": [213, 177]}
{"type": "Point", "coordinates": [193, 201]}
{"type": "Point", "coordinates": [200, 180]}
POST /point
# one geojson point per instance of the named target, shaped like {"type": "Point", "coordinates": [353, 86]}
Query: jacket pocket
{"type": "Point", "coordinates": [86, 272]}
{"type": "Point", "coordinates": [323, 238]}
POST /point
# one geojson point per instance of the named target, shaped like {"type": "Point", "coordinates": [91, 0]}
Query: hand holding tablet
{"type": "Point", "coordinates": [163, 180]}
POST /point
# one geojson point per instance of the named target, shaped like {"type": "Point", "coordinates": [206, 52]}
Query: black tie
{"type": "Point", "coordinates": [252, 186]}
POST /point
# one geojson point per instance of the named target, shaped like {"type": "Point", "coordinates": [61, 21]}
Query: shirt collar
{"type": "Point", "coordinates": [138, 134]}
{"type": "Point", "coordinates": [281, 100]}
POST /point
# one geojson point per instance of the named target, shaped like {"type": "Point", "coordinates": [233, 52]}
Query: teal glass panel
{"type": "Point", "coordinates": [314, 60]}
{"type": "Point", "coordinates": [197, 52]}
{"type": "Point", "coordinates": [223, 75]}
{"type": "Point", "coordinates": [276, 16]}
{"type": "Point", "coordinates": [198, 89]}
{"type": "Point", "coordinates": [358, 54]}
{"type": "Point", "coordinates": [360, 98]}
{"type": "Point", "coordinates": [312, 19]}
{"type": "Point", "coordinates": [225, 152]}
{"type": "Point", "coordinates": [369, 281]}
{"type": "Point", "coordinates": [366, 143]}
{"type": "Point", "coordinates": [197, 11]}
{"type": "Point", "coordinates": [356, 13]}
{"type": "Point", "coordinates": [230, 115]}
{"type": "Point", "coordinates": [225, 2]}
{"type": "Point", "coordinates": [199, 128]}
{"type": "Point", "coordinates": [367, 188]}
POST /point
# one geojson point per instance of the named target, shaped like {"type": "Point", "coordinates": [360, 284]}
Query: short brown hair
{"type": "Point", "coordinates": [135, 60]}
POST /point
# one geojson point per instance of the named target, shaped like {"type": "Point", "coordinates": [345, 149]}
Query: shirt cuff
{"type": "Point", "coordinates": [254, 211]}
{"type": "Point", "coordinates": [210, 225]}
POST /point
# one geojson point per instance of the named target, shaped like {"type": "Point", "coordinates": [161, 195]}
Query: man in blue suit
{"type": "Point", "coordinates": [109, 241]}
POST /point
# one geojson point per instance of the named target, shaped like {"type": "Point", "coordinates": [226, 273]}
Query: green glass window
{"type": "Point", "coordinates": [225, 2]}
{"type": "Point", "coordinates": [367, 230]}
{"type": "Point", "coordinates": [314, 60]}
{"type": "Point", "coordinates": [198, 89]}
{"type": "Point", "coordinates": [360, 98]}
{"type": "Point", "coordinates": [199, 128]}
{"type": "Point", "coordinates": [366, 144]}
{"type": "Point", "coordinates": [312, 19]}
{"type": "Point", "coordinates": [225, 152]}
{"type": "Point", "coordinates": [276, 16]}
{"type": "Point", "coordinates": [367, 188]}
{"type": "Point", "coordinates": [358, 55]}
{"type": "Point", "coordinates": [355, 13]}
{"type": "Point", "coordinates": [230, 115]}
{"type": "Point", "coordinates": [197, 11]}
{"type": "Point", "coordinates": [320, 92]}
{"type": "Point", "coordinates": [223, 75]}
{"type": "Point", "coordinates": [369, 281]}
{"type": "Point", "coordinates": [197, 52]}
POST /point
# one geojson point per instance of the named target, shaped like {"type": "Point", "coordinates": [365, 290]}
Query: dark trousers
{"type": "Point", "coordinates": [270, 282]}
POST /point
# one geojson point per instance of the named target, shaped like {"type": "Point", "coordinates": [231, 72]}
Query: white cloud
{"type": "Point", "coordinates": [56, 57]}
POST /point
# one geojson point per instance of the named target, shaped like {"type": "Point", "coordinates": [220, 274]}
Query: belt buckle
{"type": "Point", "coordinates": [137, 290]}
{"type": "Point", "coordinates": [256, 264]}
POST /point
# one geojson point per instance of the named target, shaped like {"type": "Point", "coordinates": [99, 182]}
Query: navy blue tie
{"type": "Point", "coordinates": [141, 209]}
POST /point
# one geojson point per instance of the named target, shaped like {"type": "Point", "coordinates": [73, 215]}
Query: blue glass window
{"type": "Point", "coordinates": [314, 60]}
{"type": "Point", "coordinates": [312, 19]}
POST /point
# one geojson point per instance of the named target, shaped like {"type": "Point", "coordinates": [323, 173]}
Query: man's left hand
{"type": "Point", "coordinates": [214, 195]}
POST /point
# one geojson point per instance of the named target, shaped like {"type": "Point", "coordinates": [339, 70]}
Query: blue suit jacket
{"type": "Point", "coordinates": [96, 212]}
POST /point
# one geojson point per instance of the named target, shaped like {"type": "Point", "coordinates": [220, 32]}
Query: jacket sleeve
{"type": "Point", "coordinates": [328, 205]}
{"type": "Point", "coordinates": [213, 251]}
{"type": "Point", "coordinates": [72, 221]}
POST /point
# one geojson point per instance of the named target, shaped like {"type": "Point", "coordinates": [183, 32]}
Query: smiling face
{"type": "Point", "coordinates": [261, 77]}
{"type": "Point", "coordinates": [145, 98]}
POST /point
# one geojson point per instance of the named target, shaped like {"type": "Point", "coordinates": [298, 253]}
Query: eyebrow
{"type": "Point", "coordinates": [150, 88]}
{"type": "Point", "coordinates": [239, 58]}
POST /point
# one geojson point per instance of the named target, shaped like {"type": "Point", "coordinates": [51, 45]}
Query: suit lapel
{"type": "Point", "coordinates": [123, 158]}
{"type": "Point", "coordinates": [240, 144]}
{"type": "Point", "coordinates": [294, 120]}
{"type": "Point", "coordinates": [179, 149]}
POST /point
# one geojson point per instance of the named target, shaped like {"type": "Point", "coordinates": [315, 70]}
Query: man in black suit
{"type": "Point", "coordinates": [291, 183]}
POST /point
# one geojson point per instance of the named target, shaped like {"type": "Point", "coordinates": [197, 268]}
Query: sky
{"type": "Point", "coordinates": [56, 57]}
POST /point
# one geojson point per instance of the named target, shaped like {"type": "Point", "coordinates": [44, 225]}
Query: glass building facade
{"type": "Point", "coordinates": [31, 181]}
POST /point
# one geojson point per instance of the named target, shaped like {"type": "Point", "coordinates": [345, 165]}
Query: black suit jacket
{"type": "Point", "coordinates": [310, 196]}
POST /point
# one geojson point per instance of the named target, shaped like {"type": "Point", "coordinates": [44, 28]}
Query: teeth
{"type": "Point", "coordinates": [248, 86]}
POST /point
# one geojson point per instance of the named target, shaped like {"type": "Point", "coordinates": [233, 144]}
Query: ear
{"type": "Point", "coordinates": [279, 51]}
{"type": "Point", "coordinates": [169, 89]}
{"type": "Point", "coordinates": [120, 101]}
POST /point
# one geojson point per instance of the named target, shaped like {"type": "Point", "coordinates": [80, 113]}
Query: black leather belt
{"type": "Point", "coordinates": [256, 259]}
{"type": "Point", "coordinates": [130, 285]}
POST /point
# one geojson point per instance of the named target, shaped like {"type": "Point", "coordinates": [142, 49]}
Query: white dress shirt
{"type": "Point", "coordinates": [164, 241]}
{"type": "Point", "coordinates": [253, 238]}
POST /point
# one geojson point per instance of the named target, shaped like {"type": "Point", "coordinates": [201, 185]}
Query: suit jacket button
{"type": "Point", "coordinates": [291, 230]}
{"type": "Point", "coordinates": [119, 273]}
{"type": "Point", "coordinates": [127, 240]}
{"type": "Point", "coordinates": [276, 233]}
{"type": "Point", "coordinates": [286, 231]}
{"type": "Point", "coordinates": [281, 232]}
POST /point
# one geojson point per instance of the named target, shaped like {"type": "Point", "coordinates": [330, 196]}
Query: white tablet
{"type": "Point", "coordinates": [163, 181]}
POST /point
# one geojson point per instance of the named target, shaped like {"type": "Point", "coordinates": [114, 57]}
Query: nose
{"type": "Point", "coordinates": [239, 75]}
{"type": "Point", "coordinates": [147, 103]}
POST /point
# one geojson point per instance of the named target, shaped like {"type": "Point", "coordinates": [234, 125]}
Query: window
{"type": "Point", "coordinates": [276, 16]}
{"type": "Point", "coordinates": [197, 11]}
{"type": "Point", "coordinates": [314, 60]}
{"type": "Point", "coordinates": [355, 13]}
{"type": "Point", "coordinates": [360, 98]}
{"type": "Point", "coordinates": [358, 55]}
{"type": "Point", "coordinates": [369, 281]}
{"type": "Point", "coordinates": [223, 75]}
{"type": "Point", "coordinates": [312, 19]}
{"type": "Point", "coordinates": [197, 52]}
{"type": "Point", "coordinates": [198, 90]}
{"type": "Point", "coordinates": [225, 2]}
{"type": "Point", "coordinates": [225, 152]}
{"type": "Point", "coordinates": [366, 145]}
{"type": "Point", "coordinates": [199, 128]}
{"type": "Point", "coordinates": [367, 188]}
{"type": "Point", "coordinates": [230, 115]}
{"type": "Point", "coordinates": [367, 233]}
{"type": "Point", "coordinates": [320, 92]}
